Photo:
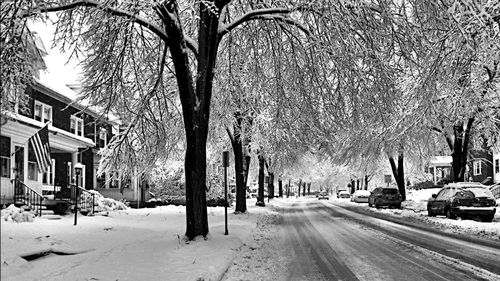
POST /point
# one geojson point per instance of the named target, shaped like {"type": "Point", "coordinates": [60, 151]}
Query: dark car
{"type": "Point", "coordinates": [385, 196]}
{"type": "Point", "coordinates": [463, 199]}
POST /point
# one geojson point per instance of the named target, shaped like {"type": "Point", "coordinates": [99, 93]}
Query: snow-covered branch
{"type": "Point", "coordinates": [272, 13]}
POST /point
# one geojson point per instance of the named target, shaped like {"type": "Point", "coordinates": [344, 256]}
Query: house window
{"type": "Point", "coordinates": [103, 137]}
{"type": "Point", "coordinates": [76, 126]}
{"type": "Point", "coordinates": [43, 112]}
{"type": "Point", "coordinates": [114, 180]}
{"type": "Point", "coordinates": [497, 164]}
{"type": "Point", "coordinates": [476, 167]}
{"type": "Point", "coordinates": [32, 166]}
{"type": "Point", "coordinates": [5, 157]}
{"type": "Point", "coordinates": [48, 177]}
{"type": "Point", "coordinates": [101, 180]}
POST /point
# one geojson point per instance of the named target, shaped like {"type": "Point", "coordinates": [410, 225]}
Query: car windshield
{"type": "Point", "coordinates": [390, 191]}
{"type": "Point", "coordinates": [480, 192]}
{"type": "Point", "coordinates": [363, 193]}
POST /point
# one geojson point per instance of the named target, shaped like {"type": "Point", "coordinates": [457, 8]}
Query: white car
{"type": "Point", "coordinates": [344, 194]}
{"type": "Point", "coordinates": [360, 196]}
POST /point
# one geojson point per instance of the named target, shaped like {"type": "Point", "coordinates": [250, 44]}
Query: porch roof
{"type": "Point", "coordinates": [439, 161]}
{"type": "Point", "coordinates": [23, 128]}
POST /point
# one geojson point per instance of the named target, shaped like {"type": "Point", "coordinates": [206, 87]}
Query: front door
{"type": "Point", "coordinates": [19, 163]}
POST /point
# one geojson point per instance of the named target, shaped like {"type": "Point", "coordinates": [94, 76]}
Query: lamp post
{"type": "Point", "coordinates": [78, 171]}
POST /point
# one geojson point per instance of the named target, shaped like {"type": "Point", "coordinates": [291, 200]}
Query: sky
{"type": "Point", "coordinates": [58, 67]}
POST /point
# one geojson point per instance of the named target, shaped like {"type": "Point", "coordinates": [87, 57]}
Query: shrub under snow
{"type": "Point", "coordinates": [103, 204]}
{"type": "Point", "coordinates": [15, 214]}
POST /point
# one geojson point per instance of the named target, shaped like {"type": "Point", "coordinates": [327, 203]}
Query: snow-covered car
{"type": "Point", "coordinates": [385, 196]}
{"type": "Point", "coordinates": [463, 199]}
{"type": "Point", "coordinates": [323, 195]}
{"type": "Point", "coordinates": [360, 196]}
{"type": "Point", "coordinates": [344, 194]}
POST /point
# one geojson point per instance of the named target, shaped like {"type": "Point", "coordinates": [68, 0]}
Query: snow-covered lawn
{"type": "Point", "coordinates": [415, 209]}
{"type": "Point", "coordinates": [133, 244]}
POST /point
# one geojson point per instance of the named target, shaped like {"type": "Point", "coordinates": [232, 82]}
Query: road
{"type": "Point", "coordinates": [328, 242]}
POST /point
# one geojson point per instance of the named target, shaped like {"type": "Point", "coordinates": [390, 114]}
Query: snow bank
{"type": "Point", "coordinates": [15, 214]}
{"type": "Point", "coordinates": [136, 244]}
{"type": "Point", "coordinates": [414, 209]}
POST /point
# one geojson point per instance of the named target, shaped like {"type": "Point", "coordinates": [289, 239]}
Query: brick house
{"type": "Point", "coordinates": [76, 134]}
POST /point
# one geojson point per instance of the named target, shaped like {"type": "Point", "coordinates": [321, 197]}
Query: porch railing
{"type": "Point", "coordinates": [85, 199]}
{"type": "Point", "coordinates": [24, 195]}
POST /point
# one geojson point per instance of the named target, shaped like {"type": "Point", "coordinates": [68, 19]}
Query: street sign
{"type": "Point", "coordinates": [387, 178]}
{"type": "Point", "coordinates": [225, 158]}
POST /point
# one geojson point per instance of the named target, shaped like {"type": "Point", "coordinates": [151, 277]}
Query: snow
{"type": "Point", "coordinates": [133, 244]}
{"type": "Point", "coordinates": [147, 244]}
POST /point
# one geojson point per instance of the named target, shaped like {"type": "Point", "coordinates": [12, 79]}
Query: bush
{"type": "Point", "coordinates": [14, 214]}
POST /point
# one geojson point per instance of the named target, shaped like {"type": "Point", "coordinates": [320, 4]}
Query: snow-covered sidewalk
{"type": "Point", "coordinates": [133, 244]}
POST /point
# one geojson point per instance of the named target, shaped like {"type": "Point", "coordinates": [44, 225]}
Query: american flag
{"type": "Point", "coordinates": [40, 144]}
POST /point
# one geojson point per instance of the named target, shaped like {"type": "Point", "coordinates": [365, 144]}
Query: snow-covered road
{"type": "Point", "coordinates": [328, 242]}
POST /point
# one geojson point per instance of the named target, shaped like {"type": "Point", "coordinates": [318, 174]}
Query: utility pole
{"type": "Point", "coordinates": [225, 163]}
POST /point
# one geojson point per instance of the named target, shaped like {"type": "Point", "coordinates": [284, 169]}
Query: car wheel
{"type": "Point", "coordinates": [450, 214]}
{"type": "Point", "coordinates": [398, 206]}
{"type": "Point", "coordinates": [430, 213]}
{"type": "Point", "coordinates": [369, 204]}
{"type": "Point", "coordinates": [376, 205]}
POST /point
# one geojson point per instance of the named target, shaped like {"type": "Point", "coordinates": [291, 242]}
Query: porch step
{"type": "Point", "coordinates": [51, 217]}
{"type": "Point", "coordinates": [46, 212]}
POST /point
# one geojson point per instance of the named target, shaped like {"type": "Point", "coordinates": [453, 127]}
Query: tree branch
{"type": "Point", "coordinates": [231, 137]}
{"type": "Point", "coordinates": [191, 44]}
{"type": "Point", "coordinates": [250, 16]}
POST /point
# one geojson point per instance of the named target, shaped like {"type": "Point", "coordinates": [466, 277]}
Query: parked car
{"type": "Point", "coordinates": [344, 194]}
{"type": "Point", "coordinates": [323, 195]}
{"type": "Point", "coordinates": [463, 199]}
{"type": "Point", "coordinates": [385, 196]}
{"type": "Point", "coordinates": [360, 196]}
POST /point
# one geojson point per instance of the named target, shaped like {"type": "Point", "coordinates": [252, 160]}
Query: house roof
{"type": "Point", "coordinates": [48, 85]}
{"type": "Point", "coordinates": [441, 161]}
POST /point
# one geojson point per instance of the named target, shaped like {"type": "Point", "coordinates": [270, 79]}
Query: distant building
{"type": "Point", "coordinates": [440, 169]}
{"type": "Point", "coordinates": [496, 163]}
{"type": "Point", "coordinates": [480, 165]}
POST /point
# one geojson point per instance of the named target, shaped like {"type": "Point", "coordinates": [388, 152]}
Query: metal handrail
{"type": "Point", "coordinates": [85, 198]}
{"type": "Point", "coordinates": [27, 196]}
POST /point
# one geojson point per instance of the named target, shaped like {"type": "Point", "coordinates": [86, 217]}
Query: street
{"type": "Point", "coordinates": [327, 242]}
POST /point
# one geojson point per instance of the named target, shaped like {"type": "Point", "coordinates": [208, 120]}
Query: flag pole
{"type": "Point", "coordinates": [23, 144]}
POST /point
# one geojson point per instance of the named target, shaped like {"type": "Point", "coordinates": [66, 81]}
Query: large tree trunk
{"type": "Point", "coordinates": [236, 142]}
{"type": "Point", "coordinates": [398, 172]}
{"type": "Point", "coordinates": [241, 202]}
{"type": "Point", "coordinates": [460, 150]}
{"type": "Point", "coordinates": [195, 105]}
{"type": "Point", "coordinates": [260, 193]}
{"type": "Point", "coordinates": [196, 201]}
{"type": "Point", "coordinates": [366, 182]}
{"type": "Point", "coordinates": [280, 188]}
{"type": "Point", "coordinates": [271, 186]}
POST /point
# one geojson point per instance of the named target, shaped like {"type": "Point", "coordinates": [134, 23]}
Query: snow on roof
{"type": "Point", "coordinates": [441, 161]}
{"type": "Point", "coordinates": [38, 124]}
{"type": "Point", "coordinates": [67, 94]}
